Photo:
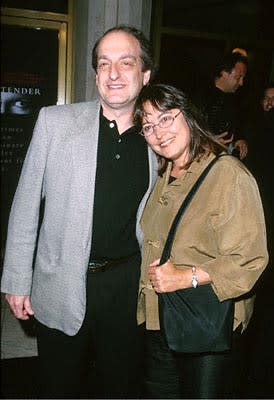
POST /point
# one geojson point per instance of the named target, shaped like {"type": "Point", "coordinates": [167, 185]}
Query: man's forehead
{"type": "Point", "coordinates": [269, 92]}
{"type": "Point", "coordinates": [119, 45]}
{"type": "Point", "coordinates": [119, 38]}
{"type": "Point", "coordinates": [239, 69]}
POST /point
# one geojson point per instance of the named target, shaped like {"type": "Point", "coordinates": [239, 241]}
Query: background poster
{"type": "Point", "coordinates": [29, 78]}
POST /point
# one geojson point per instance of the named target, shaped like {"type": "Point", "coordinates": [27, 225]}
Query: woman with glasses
{"type": "Point", "coordinates": [220, 240]}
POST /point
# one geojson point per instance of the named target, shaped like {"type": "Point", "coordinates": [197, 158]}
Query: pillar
{"type": "Point", "coordinates": [90, 19]}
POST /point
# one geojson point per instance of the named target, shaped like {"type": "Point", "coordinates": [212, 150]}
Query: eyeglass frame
{"type": "Point", "coordinates": [154, 125]}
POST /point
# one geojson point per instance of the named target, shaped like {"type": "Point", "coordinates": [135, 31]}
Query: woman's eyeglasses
{"type": "Point", "coordinates": [164, 122]}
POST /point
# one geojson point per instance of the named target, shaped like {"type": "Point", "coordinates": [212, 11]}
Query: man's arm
{"type": "Point", "coordinates": [24, 217]}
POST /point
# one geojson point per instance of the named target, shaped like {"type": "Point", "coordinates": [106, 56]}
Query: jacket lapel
{"type": "Point", "coordinates": [84, 161]}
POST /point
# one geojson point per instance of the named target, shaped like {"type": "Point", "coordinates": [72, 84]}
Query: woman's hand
{"type": "Point", "coordinates": [166, 278]}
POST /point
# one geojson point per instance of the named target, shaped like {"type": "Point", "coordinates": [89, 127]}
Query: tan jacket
{"type": "Point", "coordinates": [222, 231]}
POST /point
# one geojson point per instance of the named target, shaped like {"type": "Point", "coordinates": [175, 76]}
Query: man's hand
{"type": "Point", "coordinates": [242, 146]}
{"type": "Point", "coordinates": [225, 137]}
{"type": "Point", "coordinates": [20, 306]}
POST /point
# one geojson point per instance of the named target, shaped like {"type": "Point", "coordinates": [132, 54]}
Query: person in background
{"type": "Point", "coordinates": [93, 173]}
{"type": "Point", "coordinates": [268, 97]}
{"type": "Point", "coordinates": [261, 331]}
{"type": "Point", "coordinates": [219, 106]}
{"type": "Point", "coordinates": [260, 159]}
{"type": "Point", "coordinates": [220, 240]}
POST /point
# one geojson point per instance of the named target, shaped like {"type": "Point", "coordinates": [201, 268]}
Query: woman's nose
{"type": "Point", "coordinates": [158, 132]}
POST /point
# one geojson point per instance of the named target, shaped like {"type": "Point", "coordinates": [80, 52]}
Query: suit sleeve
{"type": "Point", "coordinates": [24, 215]}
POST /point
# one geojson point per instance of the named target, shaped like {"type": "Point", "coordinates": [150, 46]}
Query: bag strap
{"type": "Point", "coordinates": [167, 248]}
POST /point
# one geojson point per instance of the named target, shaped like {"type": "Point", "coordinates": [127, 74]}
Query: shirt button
{"type": "Point", "coordinates": [111, 125]}
{"type": "Point", "coordinates": [163, 200]}
{"type": "Point", "coordinates": [119, 140]}
{"type": "Point", "coordinates": [117, 156]}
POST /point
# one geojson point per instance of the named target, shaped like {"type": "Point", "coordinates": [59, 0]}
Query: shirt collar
{"type": "Point", "coordinates": [106, 123]}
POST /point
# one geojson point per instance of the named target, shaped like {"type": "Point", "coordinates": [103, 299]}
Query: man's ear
{"type": "Point", "coordinates": [146, 76]}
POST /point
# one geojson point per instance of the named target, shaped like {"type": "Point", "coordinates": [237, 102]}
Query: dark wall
{"type": "Point", "coordinates": [193, 34]}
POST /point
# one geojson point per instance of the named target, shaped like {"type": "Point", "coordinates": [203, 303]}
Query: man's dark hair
{"type": "Point", "coordinates": [146, 53]}
{"type": "Point", "coordinates": [227, 63]}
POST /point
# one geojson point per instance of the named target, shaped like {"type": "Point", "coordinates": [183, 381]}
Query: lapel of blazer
{"type": "Point", "coordinates": [84, 160]}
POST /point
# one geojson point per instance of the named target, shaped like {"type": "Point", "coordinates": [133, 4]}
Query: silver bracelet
{"type": "Point", "coordinates": [194, 280]}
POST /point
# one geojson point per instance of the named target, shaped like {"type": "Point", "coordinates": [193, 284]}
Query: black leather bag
{"type": "Point", "coordinates": [194, 320]}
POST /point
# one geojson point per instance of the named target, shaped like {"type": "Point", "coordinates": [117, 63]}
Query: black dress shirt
{"type": "Point", "coordinates": [220, 109]}
{"type": "Point", "coordinates": [222, 112]}
{"type": "Point", "coordinates": [122, 178]}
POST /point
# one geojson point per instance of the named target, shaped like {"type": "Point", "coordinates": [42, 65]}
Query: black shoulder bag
{"type": "Point", "coordinates": [194, 320]}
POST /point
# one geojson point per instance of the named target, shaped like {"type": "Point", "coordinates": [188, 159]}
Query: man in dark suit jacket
{"type": "Point", "coordinates": [218, 102]}
{"type": "Point", "coordinates": [94, 173]}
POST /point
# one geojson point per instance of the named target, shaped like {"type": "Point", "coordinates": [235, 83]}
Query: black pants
{"type": "Point", "coordinates": [172, 375]}
{"type": "Point", "coordinates": [107, 351]}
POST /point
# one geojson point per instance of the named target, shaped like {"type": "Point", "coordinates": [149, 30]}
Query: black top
{"type": "Point", "coordinates": [260, 158]}
{"type": "Point", "coordinates": [221, 111]}
{"type": "Point", "coordinates": [122, 178]}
